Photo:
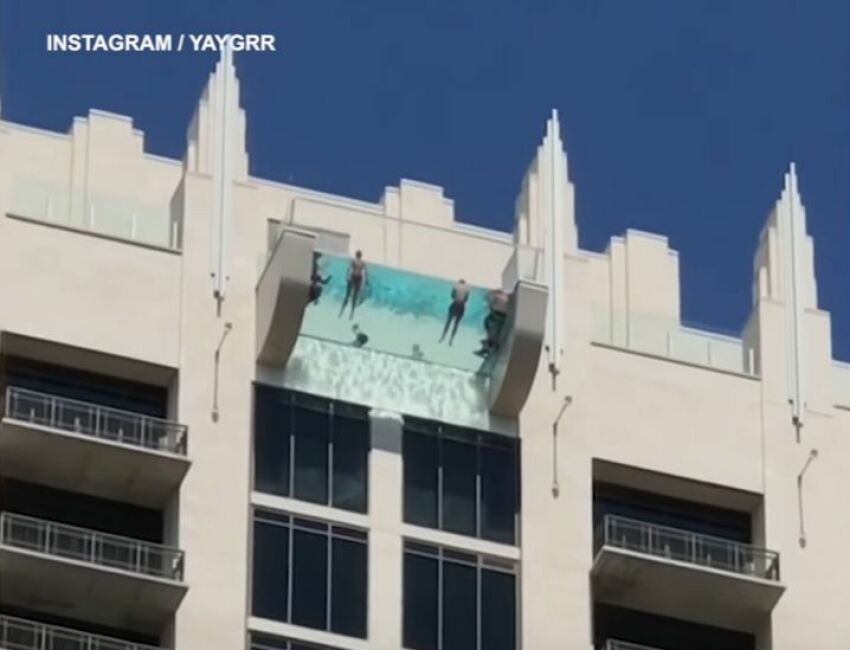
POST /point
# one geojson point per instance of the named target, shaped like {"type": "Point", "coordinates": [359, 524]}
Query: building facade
{"type": "Point", "coordinates": [242, 414]}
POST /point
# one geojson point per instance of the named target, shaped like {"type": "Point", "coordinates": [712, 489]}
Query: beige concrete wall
{"type": "Point", "coordinates": [644, 408]}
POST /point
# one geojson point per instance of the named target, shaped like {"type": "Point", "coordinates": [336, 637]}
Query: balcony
{"type": "Point", "coordinates": [88, 575]}
{"type": "Point", "coordinates": [683, 574]}
{"type": "Point", "coordinates": [21, 634]}
{"type": "Point", "coordinates": [90, 448]}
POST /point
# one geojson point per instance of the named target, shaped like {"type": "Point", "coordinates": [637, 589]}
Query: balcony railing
{"type": "Point", "coordinates": [90, 546]}
{"type": "Point", "coordinates": [21, 634]}
{"type": "Point", "coordinates": [611, 644]}
{"type": "Point", "coordinates": [102, 422]}
{"type": "Point", "coordinates": [685, 546]}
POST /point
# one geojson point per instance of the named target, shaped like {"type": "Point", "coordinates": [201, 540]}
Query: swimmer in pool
{"type": "Point", "coordinates": [460, 294]}
{"type": "Point", "coordinates": [316, 281]}
{"type": "Point", "coordinates": [356, 280]}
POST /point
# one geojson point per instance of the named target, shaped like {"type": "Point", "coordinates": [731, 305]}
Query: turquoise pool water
{"type": "Point", "coordinates": [398, 312]}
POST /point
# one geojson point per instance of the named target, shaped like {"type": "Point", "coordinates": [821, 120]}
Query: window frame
{"type": "Point", "coordinates": [480, 562]}
{"type": "Point", "coordinates": [334, 410]}
{"type": "Point", "coordinates": [331, 531]}
{"type": "Point", "coordinates": [479, 440]}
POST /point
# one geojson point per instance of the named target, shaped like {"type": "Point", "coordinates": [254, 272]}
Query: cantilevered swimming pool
{"type": "Point", "coordinates": [397, 312]}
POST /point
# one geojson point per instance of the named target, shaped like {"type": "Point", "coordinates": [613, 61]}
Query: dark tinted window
{"type": "Point", "coordinates": [272, 437]}
{"type": "Point", "coordinates": [459, 606]}
{"type": "Point", "coordinates": [271, 562]}
{"type": "Point", "coordinates": [421, 601]}
{"type": "Point", "coordinates": [457, 601]}
{"type": "Point", "coordinates": [309, 573]}
{"type": "Point", "coordinates": [86, 386]}
{"type": "Point", "coordinates": [461, 481]}
{"type": "Point", "coordinates": [349, 576]}
{"type": "Point", "coordinates": [498, 494]}
{"type": "Point", "coordinates": [312, 434]}
{"type": "Point", "coordinates": [627, 625]}
{"type": "Point", "coordinates": [350, 463]}
{"type": "Point", "coordinates": [421, 463]}
{"type": "Point", "coordinates": [498, 605]}
{"type": "Point", "coordinates": [610, 499]}
{"type": "Point", "coordinates": [311, 449]}
{"type": "Point", "coordinates": [263, 642]}
{"type": "Point", "coordinates": [309, 579]}
{"type": "Point", "coordinates": [76, 509]}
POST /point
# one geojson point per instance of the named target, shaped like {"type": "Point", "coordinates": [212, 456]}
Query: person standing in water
{"type": "Point", "coordinates": [460, 294]}
{"type": "Point", "coordinates": [316, 281]}
{"type": "Point", "coordinates": [356, 280]}
{"type": "Point", "coordinates": [498, 300]}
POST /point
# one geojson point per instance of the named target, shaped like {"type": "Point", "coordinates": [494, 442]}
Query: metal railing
{"type": "Point", "coordinates": [21, 634]}
{"type": "Point", "coordinates": [612, 644]}
{"type": "Point", "coordinates": [90, 546]}
{"type": "Point", "coordinates": [103, 422]}
{"type": "Point", "coordinates": [685, 546]}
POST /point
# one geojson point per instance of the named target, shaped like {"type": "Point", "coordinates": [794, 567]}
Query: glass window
{"type": "Point", "coordinates": [498, 604]}
{"type": "Point", "coordinates": [498, 494]}
{"type": "Point", "coordinates": [309, 573]}
{"type": "Point", "coordinates": [271, 562]}
{"type": "Point", "coordinates": [459, 478]}
{"type": "Point", "coordinates": [350, 463]}
{"type": "Point", "coordinates": [272, 427]}
{"type": "Point", "coordinates": [259, 642]}
{"type": "Point", "coordinates": [460, 616]}
{"type": "Point", "coordinates": [421, 601]}
{"type": "Point", "coordinates": [312, 431]}
{"type": "Point", "coordinates": [348, 615]}
{"type": "Point", "coordinates": [309, 579]}
{"type": "Point", "coordinates": [310, 448]}
{"type": "Point", "coordinates": [421, 462]}
{"type": "Point", "coordinates": [264, 642]}
{"type": "Point", "coordinates": [456, 601]}
{"type": "Point", "coordinates": [464, 482]}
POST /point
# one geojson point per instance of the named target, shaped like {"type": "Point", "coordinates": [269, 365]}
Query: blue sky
{"type": "Point", "coordinates": [680, 116]}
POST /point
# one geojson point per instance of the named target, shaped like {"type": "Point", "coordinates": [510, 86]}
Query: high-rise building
{"type": "Point", "coordinates": [239, 414]}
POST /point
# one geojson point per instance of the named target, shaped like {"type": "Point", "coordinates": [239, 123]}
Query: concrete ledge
{"type": "Point", "coordinates": [515, 369]}
{"type": "Point", "coordinates": [112, 597]}
{"type": "Point", "coordinates": [84, 463]}
{"type": "Point", "coordinates": [688, 591]}
{"type": "Point", "coordinates": [282, 295]}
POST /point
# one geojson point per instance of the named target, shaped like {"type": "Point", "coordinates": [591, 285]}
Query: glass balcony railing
{"type": "Point", "coordinates": [90, 546]}
{"type": "Point", "coordinates": [400, 313]}
{"type": "Point", "coordinates": [104, 423]}
{"type": "Point", "coordinates": [21, 634]}
{"type": "Point", "coordinates": [111, 215]}
{"type": "Point", "coordinates": [611, 644]}
{"type": "Point", "coordinates": [685, 546]}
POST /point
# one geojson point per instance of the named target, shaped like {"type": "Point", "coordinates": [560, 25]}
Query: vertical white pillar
{"type": "Point", "coordinates": [224, 105]}
{"type": "Point", "coordinates": [385, 536]}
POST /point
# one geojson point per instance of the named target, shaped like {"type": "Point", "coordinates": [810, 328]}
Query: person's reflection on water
{"type": "Point", "coordinates": [355, 281]}
{"type": "Point", "coordinates": [460, 294]}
